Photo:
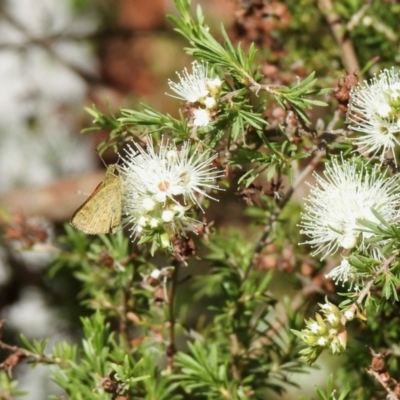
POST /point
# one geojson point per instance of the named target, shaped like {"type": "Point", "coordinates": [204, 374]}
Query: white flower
{"type": "Point", "coordinates": [349, 315]}
{"type": "Point", "coordinates": [196, 175]}
{"type": "Point", "coordinates": [142, 221]}
{"type": "Point", "coordinates": [172, 155]}
{"type": "Point", "coordinates": [343, 272]}
{"type": "Point", "coordinates": [155, 274]}
{"type": "Point", "coordinates": [192, 87]}
{"type": "Point", "coordinates": [160, 187]}
{"type": "Point", "coordinates": [314, 327]}
{"type": "Point", "coordinates": [167, 215]}
{"type": "Point", "coordinates": [335, 346]}
{"type": "Point", "coordinates": [210, 103]}
{"type": "Point", "coordinates": [148, 204]}
{"type": "Point", "coordinates": [383, 110]}
{"type": "Point", "coordinates": [201, 117]}
{"type": "Point", "coordinates": [153, 223]}
{"type": "Point", "coordinates": [332, 318]}
{"type": "Point", "coordinates": [327, 307]}
{"type": "Point", "coordinates": [343, 197]}
{"type": "Point", "coordinates": [178, 210]}
{"type": "Point", "coordinates": [374, 111]}
{"type": "Point", "coordinates": [214, 84]}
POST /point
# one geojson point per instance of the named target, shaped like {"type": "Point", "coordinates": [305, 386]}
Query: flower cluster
{"type": "Point", "coordinates": [347, 201]}
{"type": "Point", "coordinates": [326, 331]}
{"type": "Point", "coordinates": [161, 187]}
{"type": "Point", "coordinates": [375, 112]}
{"type": "Point", "coordinates": [344, 272]}
{"type": "Point", "coordinates": [199, 90]}
{"type": "Point", "coordinates": [347, 195]}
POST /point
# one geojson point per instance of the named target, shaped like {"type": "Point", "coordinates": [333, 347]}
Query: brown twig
{"type": "Point", "coordinates": [348, 54]}
{"type": "Point", "coordinates": [368, 286]}
{"type": "Point", "coordinates": [336, 118]}
{"type": "Point", "coordinates": [378, 370]}
{"type": "Point", "coordinates": [40, 358]}
{"type": "Point", "coordinates": [279, 207]}
{"type": "Point", "coordinates": [384, 383]}
{"type": "Point", "coordinates": [122, 323]}
{"type": "Point", "coordinates": [356, 18]}
{"type": "Point", "coordinates": [171, 349]}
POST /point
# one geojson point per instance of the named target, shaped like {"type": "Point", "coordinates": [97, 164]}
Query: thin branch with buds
{"type": "Point", "coordinates": [379, 372]}
{"type": "Point", "coordinates": [171, 311]}
{"type": "Point", "coordinates": [367, 289]}
{"type": "Point", "coordinates": [279, 207]}
{"type": "Point", "coordinates": [33, 356]}
{"type": "Point", "coordinates": [391, 395]}
{"type": "Point", "coordinates": [348, 54]}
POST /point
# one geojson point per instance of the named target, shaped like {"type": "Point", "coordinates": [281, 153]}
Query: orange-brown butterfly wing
{"type": "Point", "coordinates": [102, 211]}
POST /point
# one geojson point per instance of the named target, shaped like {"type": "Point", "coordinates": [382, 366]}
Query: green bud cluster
{"type": "Point", "coordinates": [326, 331]}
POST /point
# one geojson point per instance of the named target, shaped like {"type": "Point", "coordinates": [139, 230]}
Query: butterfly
{"type": "Point", "coordinates": [102, 211]}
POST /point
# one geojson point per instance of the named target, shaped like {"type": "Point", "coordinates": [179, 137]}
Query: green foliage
{"type": "Point", "coordinates": [155, 120]}
{"type": "Point", "coordinates": [205, 46]}
{"type": "Point", "coordinates": [242, 322]}
{"type": "Point", "coordinates": [172, 318]}
{"type": "Point", "coordinates": [202, 374]}
{"type": "Point", "coordinates": [98, 351]}
{"type": "Point", "coordinates": [309, 38]}
{"type": "Point", "coordinates": [330, 393]}
{"type": "Point", "coordinates": [294, 96]}
{"type": "Point", "coordinates": [8, 387]}
{"type": "Point", "coordinates": [107, 264]}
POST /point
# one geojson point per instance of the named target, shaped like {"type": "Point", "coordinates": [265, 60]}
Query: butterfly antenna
{"type": "Point", "coordinates": [101, 158]}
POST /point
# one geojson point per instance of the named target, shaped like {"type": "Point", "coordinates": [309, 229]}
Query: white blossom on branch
{"type": "Point", "coordinates": [344, 196]}
{"type": "Point", "coordinates": [160, 187]}
{"type": "Point", "coordinates": [374, 112]}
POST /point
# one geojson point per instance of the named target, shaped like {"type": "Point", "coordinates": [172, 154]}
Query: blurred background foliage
{"type": "Point", "coordinates": [58, 56]}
